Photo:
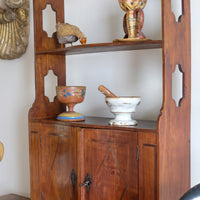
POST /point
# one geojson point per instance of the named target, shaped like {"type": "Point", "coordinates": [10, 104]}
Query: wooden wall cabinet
{"type": "Point", "coordinates": [68, 153]}
{"type": "Point", "coordinates": [148, 162]}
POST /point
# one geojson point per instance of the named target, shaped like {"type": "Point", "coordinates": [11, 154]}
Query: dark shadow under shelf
{"type": "Point", "coordinates": [104, 47]}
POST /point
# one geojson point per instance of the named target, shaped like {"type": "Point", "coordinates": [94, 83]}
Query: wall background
{"type": "Point", "coordinates": [125, 73]}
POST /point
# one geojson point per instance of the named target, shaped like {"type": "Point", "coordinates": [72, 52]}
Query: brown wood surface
{"type": "Point", "coordinates": [102, 123]}
{"type": "Point", "coordinates": [58, 160]}
{"type": "Point", "coordinates": [103, 47]}
{"type": "Point", "coordinates": [163, 172]}
{"type": "Point", "coordinates": [42, 107]}
{"type": "Point", "coordinates": [42, 41]}
{"type": "Point", "coordinates": [35, 160]}
{"type": "Point", "coordinates": [147, 166]}
{"type": "Point", "coordinates": [13, 197]}
{"type": "Point", "coordinates": [174, 122]}
{"type": "Point", "coordinates": [110, 157]}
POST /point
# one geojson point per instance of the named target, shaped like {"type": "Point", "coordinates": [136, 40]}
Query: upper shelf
{"type": "Point", "coordinates": [104, 47]}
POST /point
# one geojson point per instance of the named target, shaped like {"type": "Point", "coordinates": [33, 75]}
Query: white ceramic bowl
{"type": "Point", "coordinates": [123, 109]}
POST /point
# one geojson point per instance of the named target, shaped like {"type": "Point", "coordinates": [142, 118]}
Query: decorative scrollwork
{"type": "Point", "coordinates": [14, 28]}
{"type": "Point", "coordinates": [1, 151]}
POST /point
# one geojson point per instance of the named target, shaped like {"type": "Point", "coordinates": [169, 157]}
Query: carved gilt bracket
{"type": "Point", "coordinates": [1, 151]}
{"type": "Point", "coordinates": [14, 28]}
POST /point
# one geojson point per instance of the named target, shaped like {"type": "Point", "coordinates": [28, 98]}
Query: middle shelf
{"type": "Point", "coordinates": [103, 47]}
{"type": "Point", "coordinates": [102, 123]}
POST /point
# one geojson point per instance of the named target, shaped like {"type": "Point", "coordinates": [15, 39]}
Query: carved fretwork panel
{"type": "Point", "coordinates": [42, 41]}
{"type": "Point", "coordinates": [42, 106]}
{"type": "Point", "coordinates": [111, 159]}
{"type": "Point", "coordinates": [174, 122]}
{"type": "Point", "coordinates": [58, 162]}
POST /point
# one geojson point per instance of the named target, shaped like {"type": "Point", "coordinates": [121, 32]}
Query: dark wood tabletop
{"type": "Point", "coordinates": [13, 197]}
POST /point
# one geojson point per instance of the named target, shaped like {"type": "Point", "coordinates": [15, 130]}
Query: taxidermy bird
{"type": "Point", "coordinates": [67, 33]}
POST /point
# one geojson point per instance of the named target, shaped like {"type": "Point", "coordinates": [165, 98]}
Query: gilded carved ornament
{"type": "Point", "coordinates": [1, 151]}
{"type": "Point", "coordinates": [14, 28]}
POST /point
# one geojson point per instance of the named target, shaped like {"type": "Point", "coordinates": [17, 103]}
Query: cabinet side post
{"type": "Point", "coordinates": [174, 121]}
{"type": "Point", "coordinates": [42, 107]}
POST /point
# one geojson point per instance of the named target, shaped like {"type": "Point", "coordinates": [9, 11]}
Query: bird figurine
{"type": "Point", "coordinates": [67, 33]}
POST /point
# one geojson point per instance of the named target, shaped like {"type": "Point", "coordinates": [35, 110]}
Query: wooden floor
{"type": "Point", "coordinates": [13, 197]}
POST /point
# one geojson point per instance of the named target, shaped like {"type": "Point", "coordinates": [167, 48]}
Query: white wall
{"type": "Point", "coordinates": [125, 73]}
{"type": "Point", "coordinates": [195, 117]}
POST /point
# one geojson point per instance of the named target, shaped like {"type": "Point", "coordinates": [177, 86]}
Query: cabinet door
{"type": "Point", "coordinates": [147, 166]}
{"type": "Point", "coordinates": [58, 162]}
{"type": "Point", "coordinates": [35, 155]}
{"type": "Point", "coordinates": [110, 158]}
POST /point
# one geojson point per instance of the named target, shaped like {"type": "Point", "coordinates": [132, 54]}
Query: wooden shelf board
{"type": "Point", "coordinates": [102, 123]}
{"type": "Point", "coordinates": [104, 47]}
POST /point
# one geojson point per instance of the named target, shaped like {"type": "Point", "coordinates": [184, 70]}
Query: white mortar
{"type": "Point", "coordinates": [123, 108]}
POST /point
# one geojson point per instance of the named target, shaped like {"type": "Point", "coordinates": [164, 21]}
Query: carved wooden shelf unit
{"type": "Point", "coordinates": [148, 162]}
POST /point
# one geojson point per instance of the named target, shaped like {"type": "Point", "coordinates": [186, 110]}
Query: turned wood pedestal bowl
{"type": "Point", "coordinates": [70, 96]}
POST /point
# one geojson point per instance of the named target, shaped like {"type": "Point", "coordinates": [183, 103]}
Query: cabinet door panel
{"type": "Point", "coordinates": [110, 157]}
{"type": "Point", "coordinates": [58, 161]}
{"type": "Point", "coordinates": [35, 155]}
{"type": "Point", "coordinates": [147, 166]}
